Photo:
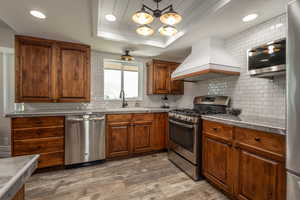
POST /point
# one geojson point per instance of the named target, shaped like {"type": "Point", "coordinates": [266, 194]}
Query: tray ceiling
{"type": "Point", "coordinates": [78, 21]}
{"type": "Point", "coordinates": [123, 29]}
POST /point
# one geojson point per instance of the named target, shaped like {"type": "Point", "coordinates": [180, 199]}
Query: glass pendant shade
{"type": "Point", "coordinates": [171, 18]}
{"type": "Point", "coordinates": [144, 30]}
{"type": "Point", "coordinates": [168, 30]}
{"type": "Point", "coordinates": [142, 17]}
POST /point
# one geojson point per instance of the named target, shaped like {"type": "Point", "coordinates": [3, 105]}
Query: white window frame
{"type": "Point", "coordinates": [140, 81]}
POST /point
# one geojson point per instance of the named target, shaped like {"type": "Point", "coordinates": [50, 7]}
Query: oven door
{"type": "Point", "coordinates": [184, 140]}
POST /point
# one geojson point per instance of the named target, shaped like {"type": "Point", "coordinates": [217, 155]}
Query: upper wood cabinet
{"type": "Point", "coordinates": [176, 87]}
{"type": "Point", "coordinates": [159, 78]}
{"type": "Point", "coordinates": [51, 71]}
{"type": "Point", "coordinates": [73, 72]}
{"type": "Point", "coordinates": [34, 71]}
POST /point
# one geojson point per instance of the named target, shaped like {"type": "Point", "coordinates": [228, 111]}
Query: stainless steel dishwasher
{"type": "Point", "coordinates": [84, 139]}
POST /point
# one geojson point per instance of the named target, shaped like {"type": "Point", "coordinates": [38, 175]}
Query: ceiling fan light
{"type": "Point", "coordinates": [145, 30]}
{"type": "Point", "coordinates": [127, 57]}
{"type": "Point", "coordinates": [168, 30]}
{"type": "Point", "coordinates": [171, 18]}
{"type": "Point", "coordinates": [142, 17]}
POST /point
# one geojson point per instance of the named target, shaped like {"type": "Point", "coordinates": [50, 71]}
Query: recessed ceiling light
{"type": "Point", "coordinates": [110, 17]}
{"type": "Point", "coordinates": [38, 14]}
{"type": "Point", "coordinates": [250, 17]}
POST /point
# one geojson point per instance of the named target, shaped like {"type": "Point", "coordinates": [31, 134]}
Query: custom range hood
{"type": "Point", "coordinates": [208, 60]}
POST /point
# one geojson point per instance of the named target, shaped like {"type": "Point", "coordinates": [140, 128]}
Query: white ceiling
{"type": "Point", "coordinates": [123, 29]}
{"type": "Point", "coordinates": [80, 20]}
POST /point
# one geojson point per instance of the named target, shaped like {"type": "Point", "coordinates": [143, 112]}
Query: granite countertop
{"type": "Point", "coordinates": [270, 125]}
{"type": "Point", "coordinates": [14, 172]}
{"type": "Point", "coordinates": [33, 113]}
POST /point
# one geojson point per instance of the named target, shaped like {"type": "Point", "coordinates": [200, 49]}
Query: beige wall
{"type": "Point", "coordinates": [6, 37]}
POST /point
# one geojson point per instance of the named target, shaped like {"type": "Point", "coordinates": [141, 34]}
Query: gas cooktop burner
{"type": "Point", "coordinates": [194, 112]}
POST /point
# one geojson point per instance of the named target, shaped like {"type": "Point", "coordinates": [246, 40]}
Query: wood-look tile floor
{"type": "Point", "coordinates": [149, 177]}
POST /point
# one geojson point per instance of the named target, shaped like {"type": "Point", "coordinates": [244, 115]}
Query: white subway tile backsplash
{"type": "Point", "coordinates": [255, 96]}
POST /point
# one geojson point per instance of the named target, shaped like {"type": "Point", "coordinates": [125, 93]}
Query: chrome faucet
{"type": "Point", "coordinates": [122, 96]}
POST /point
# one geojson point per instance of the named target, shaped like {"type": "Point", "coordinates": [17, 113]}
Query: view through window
{"type": "Point", "coordinates": [120, 75]}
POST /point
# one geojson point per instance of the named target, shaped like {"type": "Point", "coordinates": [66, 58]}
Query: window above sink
{"type": "Point", "coordinates": [122, 75]}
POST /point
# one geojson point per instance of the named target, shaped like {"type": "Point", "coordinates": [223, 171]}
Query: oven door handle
{"type": "Point", "coordinates": [181, 124]}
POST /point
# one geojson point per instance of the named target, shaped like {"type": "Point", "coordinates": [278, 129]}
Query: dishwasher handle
{"type": "Point", "coordinates": [85, 119]}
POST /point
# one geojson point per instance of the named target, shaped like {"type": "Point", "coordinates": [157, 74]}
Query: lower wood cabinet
{"type": "Point", "coordinates": [118, 139]}
{"type": "Point", "coordinates": [20, 194]}
{"type": "Point", "coordinates": [129, 134]}
{"type": "Point", "coordinates": [141, 133]}
{"type": "Point", "coordinates": [217, 163]}
{"type": "Point", "coordinates": [259, 177]}
{"type": "Point", "coordinates": [39, 135]}
{"type": "Point", "coordinates": [250, 165]}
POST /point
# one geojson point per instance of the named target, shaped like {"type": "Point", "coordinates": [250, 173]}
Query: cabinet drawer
{"type": "Point", "coordinates": [34, 133]}
{"type": "Point", "coordinates": [119, 118]}
{"type": "Point", "coordinates": [257, 139]}
{"type": "Point", "coordinates": [51, 159]}
{"type": "Point", "coordinates": [31, 122]}
{"type": "Point", "coordinates": [218, 130]}
{"type": "Point", "coordinates": [37, 146]}
{"type": "Point", "coordinates": [143, 117]}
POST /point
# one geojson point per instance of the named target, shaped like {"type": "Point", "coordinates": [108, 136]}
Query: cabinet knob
{"type": "Point", "coordinates": [215, 129]}
{"type": "Point", "coordinates": [257, 139]}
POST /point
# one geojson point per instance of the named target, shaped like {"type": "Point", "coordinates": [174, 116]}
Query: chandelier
{"type": "Point", "coordinates": [167, 16]}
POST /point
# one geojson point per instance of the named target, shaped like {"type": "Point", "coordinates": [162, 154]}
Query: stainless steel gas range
{"type": "Point", "coordinates": [185, 146]}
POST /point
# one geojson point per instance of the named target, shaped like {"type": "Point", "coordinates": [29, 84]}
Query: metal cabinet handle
{"type": "Point", "coordinates": [96, 118]}
{"type": "Point", "coordinates": [181, 124]}
{"type": "Point", "coordinates": [88, 119]}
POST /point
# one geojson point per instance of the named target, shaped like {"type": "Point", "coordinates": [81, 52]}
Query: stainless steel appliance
{"type": "Point", "coordinates": [293, 102]}
{"type": "Point", "coordinates": [268, 59]}
{"type": "Point", "coordinates": [84, 139]}
{"type": "Point", "coordinates": [185, 133]}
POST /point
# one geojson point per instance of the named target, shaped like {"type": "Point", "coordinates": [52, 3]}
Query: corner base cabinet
{"type": "Point", "coordinates": [129, 134]}
{"type": "Point", "coordinates": [245, 164]}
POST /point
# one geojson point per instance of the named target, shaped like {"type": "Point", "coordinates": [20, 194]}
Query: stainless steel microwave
{"type": "Point", "coordinates": [268, 59]}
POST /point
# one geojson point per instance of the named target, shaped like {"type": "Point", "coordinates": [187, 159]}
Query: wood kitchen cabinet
{"type": "Point", "coordinates": [176, 87]}
{"type": "Point", "coordinates": [118, 139]}
{"type": "Point", "coordinates": [73, 72]}
{"type": "Point", "coordinates": [217, 155]}
{"type": "Point", "coordinates": [246, 164]}
{"type": "Point", "coordinates": [51, 71]}
{"type": "Point", "coordinates": [39, 135]}
{"type": "Point", "coordinates": [142, 133]}
{"type": "Point", "coordinates": [129, 134]}
{"type": "Point", "coordinates": [159, 137]}
{"type": "Point", "coordinates": [159, 78]}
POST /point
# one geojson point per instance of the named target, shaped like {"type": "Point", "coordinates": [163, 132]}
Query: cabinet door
{"type": "Point", "coordinates": [217, 160]}
{"type": "Point", "coordinates": [161, 78]}
{"type": "Point", "coordinates": [33, 70]}
{"type": "Point", "coordinates": [159, 134]}
{"type": "Point", "coordinates": [142, 132]}
{"type": "Point", "coordinates": [176, 87]}
{"type": "Point", "coordinates": [118, 139]}
{"type": "Point", "coordinates": [73, 73]}
{"type": "Point", "coordinates": [259, 177]}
